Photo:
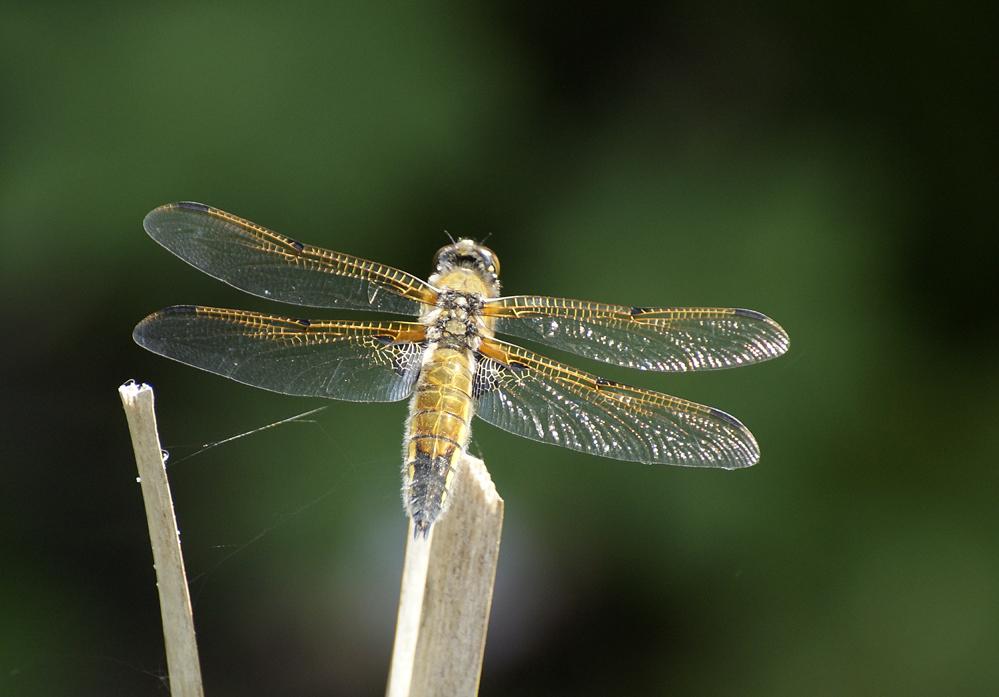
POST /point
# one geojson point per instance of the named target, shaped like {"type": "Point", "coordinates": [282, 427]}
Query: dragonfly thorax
{"type": "Point", "coordinates": [455, 322]}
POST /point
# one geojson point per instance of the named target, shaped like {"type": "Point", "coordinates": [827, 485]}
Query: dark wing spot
{"type": "Point", "coordinates": [297, 245]}
{"type": "Point", "coordinates": [726, 417]}
{"type": "Point", "coordinates": [179, 309]}
{"type": "Point", "coordinates": [304, 322]}
{"type": "Point", "coordinates": [408, 360]}
{"type": "Point", "coordinates": [751, 314]}
{"type": "Point", "coordinates": [638, 310]}
{"type": "Point", "coordinates": [487, 372]}
{"type": "Point", "coordinates": [191, 205]}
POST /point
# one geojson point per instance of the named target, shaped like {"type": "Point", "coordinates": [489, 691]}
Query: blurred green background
{"type": "Point", "coordinates": [832, 165]}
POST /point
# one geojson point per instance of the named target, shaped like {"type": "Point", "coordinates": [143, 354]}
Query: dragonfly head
{"type": "Point", "coordinates": [468, 255]}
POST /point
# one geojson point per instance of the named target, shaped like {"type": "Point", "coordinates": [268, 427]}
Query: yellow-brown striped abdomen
{"type": "Point", "coordinates": [437, 433]}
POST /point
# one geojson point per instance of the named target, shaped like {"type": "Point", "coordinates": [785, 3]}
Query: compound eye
{"type": "Point", "coordinates": [489, 259]}
{"type": "Point", "coordinates": [446, 250]}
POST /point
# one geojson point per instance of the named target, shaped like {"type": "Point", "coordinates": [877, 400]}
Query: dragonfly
{"type": "Point", "coordinates": [449, 361]}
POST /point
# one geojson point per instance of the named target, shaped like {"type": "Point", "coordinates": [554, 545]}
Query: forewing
{"type": "Point", "coordinates": [537, 398]}
{"type": "Point", "coordinates": [256, 260]}
{"type": "Point", "coordinates": [662, 339]}
{"type": "Point", "coordinates": [354, 361]}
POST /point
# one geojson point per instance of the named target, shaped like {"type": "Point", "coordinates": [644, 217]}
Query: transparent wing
{"type": "Point", "coordinates": [354, 361]}
{"type": "Point", "coordinates": [537, 398]}
{"type": "Point", "coordinates": [648, 338]}
{"type": "Point", "coordinates": [264, 263]}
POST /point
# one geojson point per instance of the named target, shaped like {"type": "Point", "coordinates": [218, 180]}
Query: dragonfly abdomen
{"type": "Point", "coordinates": [437, 433]}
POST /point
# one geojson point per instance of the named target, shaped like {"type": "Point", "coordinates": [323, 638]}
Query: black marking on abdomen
{"type": "Point", "coordinates": [428, 436]}
{"type": "Point", "coordinates": [426, 492]}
